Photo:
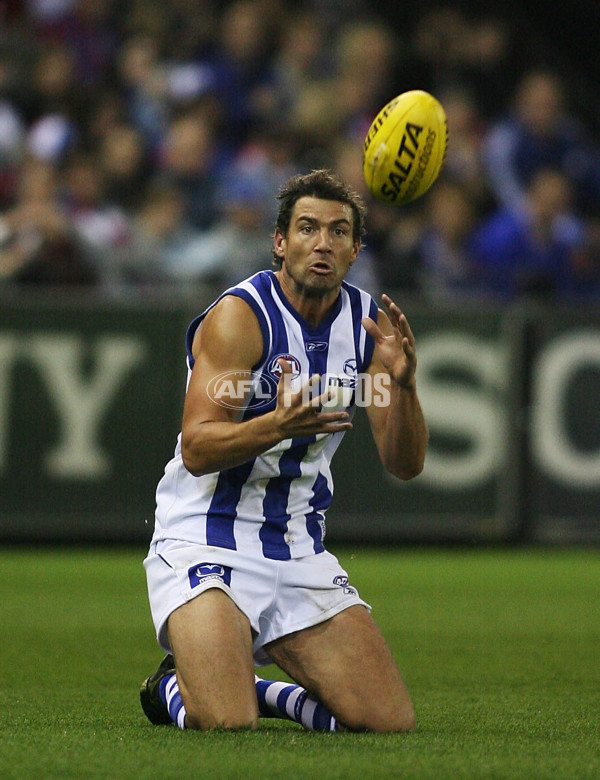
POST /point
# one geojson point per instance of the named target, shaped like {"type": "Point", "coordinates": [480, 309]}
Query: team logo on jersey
{"type": "Point", "coordinates": [316, 346]}
{"type": "Point", "coordinates": [236, 389]}
{"type": "Point", "coordinates": [203, 572]}
{"type": "Point", "coordinates": [350, 366]}
{"type": "Point", "coordinates": [275, 368]}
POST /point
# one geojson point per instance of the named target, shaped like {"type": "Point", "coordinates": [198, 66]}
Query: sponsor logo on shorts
{"type": "Point", "coordinates": [342, 581]}
{"type": "Point", "coordinates": [200, 573]}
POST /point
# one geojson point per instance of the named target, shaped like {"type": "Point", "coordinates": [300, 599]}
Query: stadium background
{"type": "Point", "coordinates": [91, 369]}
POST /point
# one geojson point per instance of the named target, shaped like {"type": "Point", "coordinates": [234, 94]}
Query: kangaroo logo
{"type": "Point", "coordinates": [202, 572]}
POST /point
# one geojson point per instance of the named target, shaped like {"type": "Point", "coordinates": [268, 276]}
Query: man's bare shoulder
{"type": "Point", "coordinates": [230, 329]}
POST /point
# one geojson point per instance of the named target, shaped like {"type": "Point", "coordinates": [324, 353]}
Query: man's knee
{"type": "Point", "coordinates": [204, 716]}
{"type": "Point", "coordinates": [219, 721]}
{"type": "Point", "coordinates": [394, 716]}
{"type": "Point", "coordinates": [404, 720]}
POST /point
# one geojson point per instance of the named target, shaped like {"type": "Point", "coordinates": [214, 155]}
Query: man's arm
{"type": "Point", "coordinates": [230, 339]}
{"type": "Point", "coordinates": [399, 429]}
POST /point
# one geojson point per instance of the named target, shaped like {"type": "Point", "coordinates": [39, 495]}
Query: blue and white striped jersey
{"type": "Point", "coordinates": [273, 505]}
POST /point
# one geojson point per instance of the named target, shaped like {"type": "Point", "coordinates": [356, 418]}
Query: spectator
{"type": "Point", "coordinates": [165, 248]}
{"type": "Point", "coordinates": [102, 228]}
{"type": "Point", "coordinates": [357, 84]}
{"type": "Point", "coordinates": [242, 68]}
{"type": "Point", "coordinates": [540, 132]}
{"type": "Point", "coordinates": [367, 52]}
{"type": "Point", "coordinates": [451, 48]}
{"type": "Point", "coordinates": [12, 132]}
{"type": "Point", "coordinates": [109, 111]}
{"type": "Point", "coordinates": [190, 159]}
{"type": "Point", "coordinates": [443, 264]}
{"type": "Point", "coordinates": [86, 28]}
{"type": "Point", "coordinates": [267, 160]}
{"type": "Point", "coordinates": [300, 60]}
{"type": "Point", "coordinates": [141, 83]}
{"type": "Point", "coordinates": [395, 235]}
{"type": "Point", "coordinates": [37, 243]}
{"type": "Point", "coordinates": [125, 165]}
{"type": "Point", "coordinates": [245, 223]}
{"type": "Point", "coordinates": [466, 129]}
{"type": "Point", "coordinates": [538, 248]}
{"type": "Point", "coordinates": [54, 105]}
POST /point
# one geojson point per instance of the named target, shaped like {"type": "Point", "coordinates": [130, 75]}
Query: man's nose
{"type": "Point", "coordinates": [323, 240]}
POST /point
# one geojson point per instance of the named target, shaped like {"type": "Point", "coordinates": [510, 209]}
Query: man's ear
{"type": "Point", "coordinates": [279, 243]}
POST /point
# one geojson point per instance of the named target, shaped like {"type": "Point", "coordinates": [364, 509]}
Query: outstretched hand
{"type": "Point", "coordinates": [300, 413]}
{"type": "Point", "coordinates": [396, 349]}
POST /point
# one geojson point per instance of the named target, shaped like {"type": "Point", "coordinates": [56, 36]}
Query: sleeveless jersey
{"type": "Point", "coordinates": [273, 505]}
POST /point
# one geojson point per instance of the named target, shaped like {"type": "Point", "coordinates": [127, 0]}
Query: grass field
{"type": "Point", "coordinates": [500, 649]}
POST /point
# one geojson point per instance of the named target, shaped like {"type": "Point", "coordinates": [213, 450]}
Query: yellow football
{"type": "Point", "coordinates": [405, 147]}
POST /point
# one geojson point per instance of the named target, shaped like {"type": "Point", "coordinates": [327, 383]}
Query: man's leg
{"type": "Point", "coordinates": [162, 703]}
{"type": "Point", "coordinates": [212, 644]}
{"type": "Point", "coordinates": [347, 665]}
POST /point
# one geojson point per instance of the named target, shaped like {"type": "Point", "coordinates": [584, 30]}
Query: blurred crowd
{"type": "Point", "coordinates": [142, 144]}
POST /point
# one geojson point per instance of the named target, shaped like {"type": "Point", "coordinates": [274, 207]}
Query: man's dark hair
{"type": "Point", "coordinates": [323, 184]}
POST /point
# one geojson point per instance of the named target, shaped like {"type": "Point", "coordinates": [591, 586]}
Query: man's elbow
{"type": "Point", "coordinates": [403, 469]}
{"type": "Point", "coordinates": [194, 468]}
{"type": "Point", "coordinates": [193, 460]}
{"type": "Point", "coordinates": [405, 473]}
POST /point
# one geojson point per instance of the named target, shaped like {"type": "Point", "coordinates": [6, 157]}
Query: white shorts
{"type": "Point", "coordinates": [277, 597]}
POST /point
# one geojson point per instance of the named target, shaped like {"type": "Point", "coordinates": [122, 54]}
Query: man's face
{"type": "Point", "coordinates": [319, 248]}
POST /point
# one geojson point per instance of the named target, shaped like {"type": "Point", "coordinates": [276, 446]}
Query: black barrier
{"type": "Point", "coordinates": [91, 396]}
{"type": "Point", "coordinates": [466, 492]}
{"type": "Point", "coordinates": [90, 404]}
{"type": "Point", "coordinates": [562, 494]}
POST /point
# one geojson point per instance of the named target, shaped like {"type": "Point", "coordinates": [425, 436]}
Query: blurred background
{"type": "Point", "coordinates": [142, 144]}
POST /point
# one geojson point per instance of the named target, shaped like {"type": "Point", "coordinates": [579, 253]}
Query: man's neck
{"type": "Point", "coordinates": [312, 308]}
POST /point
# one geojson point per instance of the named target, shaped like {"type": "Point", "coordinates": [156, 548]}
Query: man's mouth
{"type": "Point", "coordinates": [321, 268]}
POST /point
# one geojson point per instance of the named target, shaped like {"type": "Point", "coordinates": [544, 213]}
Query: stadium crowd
{"type": "Point", "coordinates": [142, 144]}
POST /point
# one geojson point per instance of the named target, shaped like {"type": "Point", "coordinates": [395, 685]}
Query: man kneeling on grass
{"type": "Point", "coordinates": [237, 571]}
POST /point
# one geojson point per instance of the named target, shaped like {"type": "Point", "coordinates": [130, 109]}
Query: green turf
{"type": "Point", "coordinates": [500, 650]}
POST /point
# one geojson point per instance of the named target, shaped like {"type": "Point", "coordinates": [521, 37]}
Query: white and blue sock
{"type": "Point", "coordinates": [171, 698]}
{"type": "Point", "coordinates": [287, 700]}
{"type": "Point", "coordinates": [275, 700]}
